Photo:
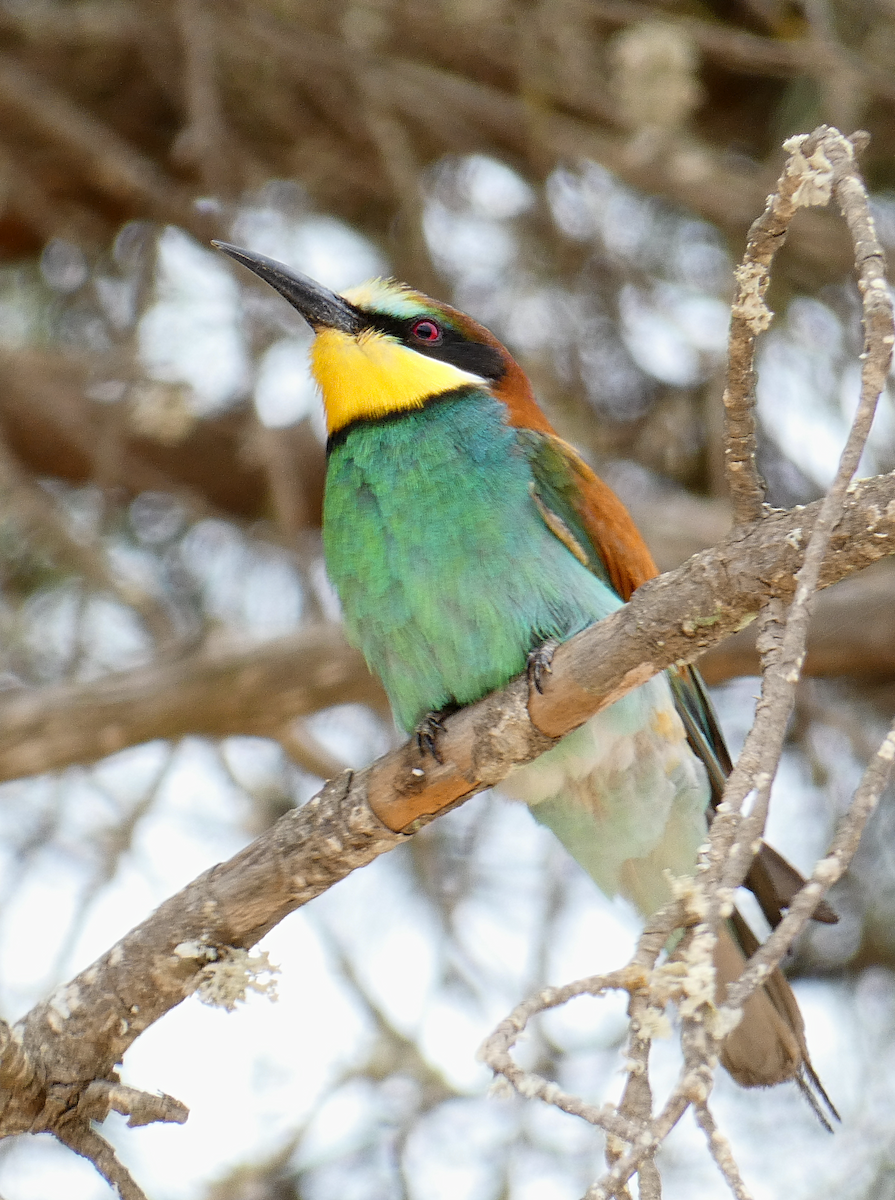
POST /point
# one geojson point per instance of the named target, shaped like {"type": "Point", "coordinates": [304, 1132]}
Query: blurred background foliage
{"type": "Point", "coordinates": [580, 175]}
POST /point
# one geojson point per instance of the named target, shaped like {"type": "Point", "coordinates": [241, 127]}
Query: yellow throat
{"type": "Point", "coordinates": [373, 375]}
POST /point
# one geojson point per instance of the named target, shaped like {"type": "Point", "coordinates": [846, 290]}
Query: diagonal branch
{"type": "Point", "coordinates": [81, 1032]}
{"type": "Point", "coordinates": [115, 166]}
{"type": "Point", "coordinates": [258, 689]}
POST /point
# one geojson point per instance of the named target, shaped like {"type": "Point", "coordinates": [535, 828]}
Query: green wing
{"type": "Point", "coordinates": [592, 522]}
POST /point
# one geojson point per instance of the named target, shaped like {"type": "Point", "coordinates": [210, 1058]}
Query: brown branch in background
{"type": "Point", "coordinates": [851, 634]}
{"type": "Point", "coordinates": [53, 429]}
{"type": "Point", "coordinates": [202, 140]}
{"type": "Point", "coordinates": [51, 216]}
{"type": "Point", "coordinates": [115, 165]}
{"type": "Point", "coordinates": [257, 689]}
{"type": "Point", "coordinates": [253, 690]}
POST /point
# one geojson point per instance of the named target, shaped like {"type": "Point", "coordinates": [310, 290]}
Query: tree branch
{"type": "Point", "coordinates": [116, 167]}
{"type": "Point", "coordinates": [819, 165]}
{"type": "Point", "coordinates": [851, 634]}
{"type": "Point", "coordinates": [258, 689]}
{"type": "Point", "coordinates": [84, 1029]}
{"type": "Point", "coordinates": [57, 1066]}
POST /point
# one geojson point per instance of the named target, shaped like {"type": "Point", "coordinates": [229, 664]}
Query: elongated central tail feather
{"type": "Point", "coordinates": [768, 1045]}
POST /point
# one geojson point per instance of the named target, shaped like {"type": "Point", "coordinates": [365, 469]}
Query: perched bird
{"type": "Point", "coordinates": [462, 534]}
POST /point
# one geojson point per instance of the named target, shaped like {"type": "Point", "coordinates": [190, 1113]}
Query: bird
{"type": "Point", "coordinates": [464, 537]}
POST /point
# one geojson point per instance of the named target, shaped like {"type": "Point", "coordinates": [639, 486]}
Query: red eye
{"type": "Point", "coordinates": [427, 331]}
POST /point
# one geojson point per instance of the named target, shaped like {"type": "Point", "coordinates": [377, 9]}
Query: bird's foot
{"type": "Point", "coordinates": [540, 663]}
{"type": "Point", "coordinates": [429, 730]}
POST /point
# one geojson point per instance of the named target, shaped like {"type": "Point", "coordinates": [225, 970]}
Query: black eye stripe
{"type": "Point", "coordinates": [401, 327]}
{"type": "Point", "coordinates": [452, 347]}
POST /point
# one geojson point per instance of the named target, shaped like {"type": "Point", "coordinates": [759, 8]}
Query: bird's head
{"type": "Point", "coordinates": [382, 349]}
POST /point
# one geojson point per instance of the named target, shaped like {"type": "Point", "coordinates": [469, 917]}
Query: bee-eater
{"type": "Point", "coordinates": [461, 535]}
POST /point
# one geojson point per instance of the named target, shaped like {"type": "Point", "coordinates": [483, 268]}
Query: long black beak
{"type": "Point", "coordinates": [321, 308]}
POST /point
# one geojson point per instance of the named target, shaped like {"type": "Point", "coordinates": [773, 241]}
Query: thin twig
{"type": "Point", "coordinates": [637, 1101]}
{"type": "Point", "coordinates": [830, 868]}
{"type": "Point", "coordinates": [831, 159]}
{"type": "Point", "coordinates": [203, 137]}
{"type": "Point", "coordinates": [818, 167]}
{"type": "Point", "coordinates": [634, 979]}
{"type": "Point", "coordinates": [646, 1146]}
{"type": "Point", "coordinates": [495, 1050]}
{"type": "Point", "coordinates": [90, 1145]}
{"type": "Point", "coordinates": [719, 1148]}
{"type": "Point", "coordinates": [749, 317]}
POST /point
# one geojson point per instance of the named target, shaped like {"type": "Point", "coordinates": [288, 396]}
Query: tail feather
{"type": "Point", "coordinates": [768, 1046]}
{"type": "Point", "coordinates": [774, 882]}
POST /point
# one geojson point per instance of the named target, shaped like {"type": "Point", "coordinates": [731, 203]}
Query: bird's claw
{"type": "Point", "coordinates": [540, 663]}
{"type": "Point", "coordinates": [427, 733]}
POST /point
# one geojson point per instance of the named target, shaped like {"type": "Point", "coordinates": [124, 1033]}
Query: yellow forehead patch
{"type": "Point", "coordinates": [374, 375]}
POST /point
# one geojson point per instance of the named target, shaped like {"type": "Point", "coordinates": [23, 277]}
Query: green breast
{"type": "Point", "coordinates": [446, 572]}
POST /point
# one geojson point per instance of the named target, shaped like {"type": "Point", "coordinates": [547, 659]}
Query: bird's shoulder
{"type": "Point", "coordinates": [585, 513]}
